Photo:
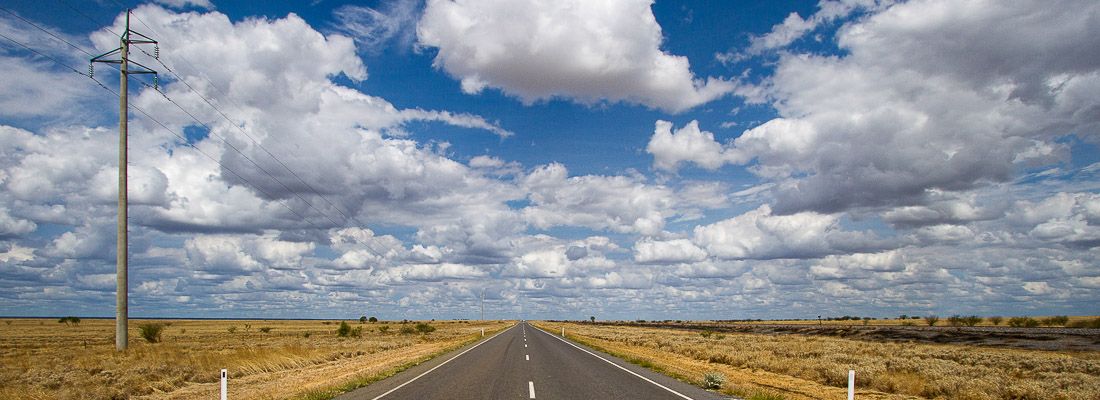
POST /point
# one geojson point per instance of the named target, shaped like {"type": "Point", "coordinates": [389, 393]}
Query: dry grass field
{"type": "Point", "coordinates": [44, 359]}
{"type": "Point", "coordinates": [788, 366]}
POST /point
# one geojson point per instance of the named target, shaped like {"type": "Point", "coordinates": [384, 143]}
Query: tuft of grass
{"type": "Point", "coordinates": [232, 329]}
{"type": "Point", "coordinates": [407, 330]}
{"type": "Point", "coordinates": [151, 332]}
{"type": "Point", "coordinates": [265, 329]}
{"type": "Point", "coordinates": [383, 329]}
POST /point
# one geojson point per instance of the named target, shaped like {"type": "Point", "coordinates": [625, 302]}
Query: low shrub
{"type": "Point", "coordinates": [68, 320]}
{"type": "Point", "coordinates": [231, 329]}
{"type": "Point", "coordinates": [931, 320]}
{"type": "Point", "coordinates": [1060, 320]}
{"type": "Point", "coordinates": [407, 330]}
{"type": "Point", "coordinates": [151, 332]}
{"type": "Point", "coordinates": [265, 329]}
{"type": "Point", "coordinates": [424, 328]}
{"type": "Point", "coordinates": [1023, 322]}
{"type": "Point", "coordinates": [383, 329]}
{"type": "Point", "coordinates": [996, 320]}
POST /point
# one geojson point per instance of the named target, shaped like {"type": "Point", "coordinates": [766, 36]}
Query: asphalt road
{"type": "Point", "coordinates": [523, 362]}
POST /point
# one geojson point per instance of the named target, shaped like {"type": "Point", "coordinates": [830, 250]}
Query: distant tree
{"type": "Point", "coordinates": [996, 320]}
{"type": "Point", "coordinates": [972, 320]}
{"type": "Point", "coordinates": [363, 319]}
{"type": "Point", "coordinates": [903, 316]}
{"type": "Point", "coordinates": [372, 319]}
{"type": "Point", "coordinates": [592, 318]}
{"type": "Point", "coordinates": [931, 320]}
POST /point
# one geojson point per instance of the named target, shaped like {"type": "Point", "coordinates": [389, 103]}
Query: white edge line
{"type": "Point", "coordinates": [440, 365]}
{"type": "Point", "coordinates": [619, 366]}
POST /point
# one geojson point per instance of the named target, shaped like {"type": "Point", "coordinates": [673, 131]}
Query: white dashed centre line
{"type": "Point", "coordinates": [525, 345]}
{"type": "Point", "coordinates": [527, 356]}
{"type": "Point", "coordinates": [531, 388]}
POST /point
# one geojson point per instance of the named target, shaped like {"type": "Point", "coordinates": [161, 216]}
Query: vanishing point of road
{"type": "Point", "coordinates": [523, 362]}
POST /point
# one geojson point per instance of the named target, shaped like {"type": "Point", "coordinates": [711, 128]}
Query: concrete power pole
{"type": "Point", "coordinates": [482, 304]}
{"type": "Point", "coordinates": [122, 290]}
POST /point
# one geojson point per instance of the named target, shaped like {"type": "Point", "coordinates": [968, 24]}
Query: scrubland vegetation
{"type": "Point", "coordinates": [788, 366]}
{"type": "Point", "coordinates": [182, 359]}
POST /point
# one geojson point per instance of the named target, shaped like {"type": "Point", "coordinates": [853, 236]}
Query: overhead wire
{"type": "Point", "coordinates": [166, 128]}
{"type": "Point", "coordinates": [221, 113]}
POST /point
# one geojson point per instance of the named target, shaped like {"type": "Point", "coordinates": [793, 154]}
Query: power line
{"type": "Point", "coordinates": [47, 31]}
{"type": "Point", "coordinates": [210, 103]}
{"type": "Point", "coordinates": [239, 128]}
{"type": "Point", "coordinates": [162, 125]}
{"type": "Point", "coordinates": [209, 129]}
{"type": "Point", "coordinates": [228, 143]}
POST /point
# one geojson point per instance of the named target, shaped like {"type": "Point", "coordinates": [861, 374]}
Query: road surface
{"type": "Point", "coordinates": [523, 362]}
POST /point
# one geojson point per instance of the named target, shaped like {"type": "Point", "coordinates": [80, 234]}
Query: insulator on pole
{"type": "Point", "coordinates": [156, 51]}
{"type": "Point", "coordinates": [156, 83]}
{"type": "Point", "coordinates": [91, 70]}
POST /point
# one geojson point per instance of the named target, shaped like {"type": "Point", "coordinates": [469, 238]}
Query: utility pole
{"type": "Point", "coordinates": [482, 304]}
{"type": "Point", "coordinates": [122, 290]}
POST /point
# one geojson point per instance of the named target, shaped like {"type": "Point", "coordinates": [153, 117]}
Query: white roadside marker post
{"type": "Point", "coordinates": [482, 332]}
{"type": "Point", "coordinates": [563, 331]}
{"type": "Point", "coordinates": [225, 394]}
{"type": "Point", "coordinates": [851, 384]}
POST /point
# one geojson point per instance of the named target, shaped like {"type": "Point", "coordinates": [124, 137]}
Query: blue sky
{"type": "Point", "coordinates": [637, 159]}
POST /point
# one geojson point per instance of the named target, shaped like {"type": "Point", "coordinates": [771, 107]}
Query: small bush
{"type": "Point", "coordinates": [996, 320]}
{"type": "Point", "coordinates": [931, 320]}
{"type": "Point", "coordinates": [306, 335]}
{"type": "Point", "coordinates": [1060, 320]}
{"type": "Point", "coordinates": [713, 380]}
{"type": "Point", "coordinates": [356, 332]}
{"type": "Point", "coordinates": [265, 329]}
{"type": "Point", "coordinates": [232, 329]}
{"type": "Point", "coordinates": [706, 334]}
{"type": "Point", "coordinates": [1023, 322]}
{"type": "Point", "coordinates": [67, 320]}
{"type": "Point", "coordinates": [151, 332]}
{"type": "Point", "coordinates": [407, 330]}
{"type": "Point", "coordinates": [383, 329]}
{"type": "Point", "coordinates": [972, 320]}
{"type": "Point", "coordinates": [344, 330]}
{"type": "Point", "coordinates": [424, 328]}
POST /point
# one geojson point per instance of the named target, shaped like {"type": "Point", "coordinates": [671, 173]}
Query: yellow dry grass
{"type": "Point", "coordinates": [815, 367]}
{"type": "Point", "coordinates": [985, 321]}
{"type": "Point", "coordinates": [42, 359]}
